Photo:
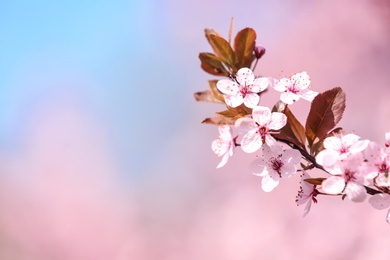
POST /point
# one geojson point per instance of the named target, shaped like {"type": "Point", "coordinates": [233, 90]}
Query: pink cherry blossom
{"type": "Point", "coordinates": [224, 145]}
{"type": "Point", "coordinates": [379, 160]}
{"type": "Point", "coordinates": [295, 88]}
{"type": "Point", "coordinates": [244, 89]}
{"type": "Point", "coordinates": [340, 147]}
{"type": "Point", "coordinates": [381, 201]}
{"type": "Point", "coordinates": [306, 194]}
{"type": "Point", "coordinates": [275, 164]}
{"type": "Point", "coordinates": [348, 178]}
{"type": "Point", "coordinates": [257, 130]}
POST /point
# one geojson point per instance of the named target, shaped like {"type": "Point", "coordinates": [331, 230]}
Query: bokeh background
{"type": "Point", "coordinates": [102, 154]}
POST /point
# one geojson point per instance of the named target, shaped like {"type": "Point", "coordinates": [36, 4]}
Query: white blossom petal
{"type": "Point", "coordinates": [262, 115]}
{"type": "Point", "coordinates": [260, 84]}
{"type": "Point", "coordinates": [307, 208]}
{"type": "Point", "coordinates": [380, 201]}
{"type": "Point", "coordinates": [333, 143]}
{"type": "Point", "coordinates": [228, 87]}
{"type": "Point", "coordinates": [289, 97]}
{"type": "Point", "coordinates": [333, 185]}
{"type": "Point", "coordinates": [355, 191]}
{"type": "Point", "coordinates": [224, 160]}
{"type": "Point", "coordinates": [327, 158]}
{"type": "Point", "coordinates": [251, 100]}
{"type": "Point", "coordinates": [278, 120]}
{"type": "Point", "coordinates": [282, 84]}
{"type": "Point", "coordinates": [269, 182]}
{"type": "Point", "coordinates": [251, 142]}
{"type": "Point", "coordinates": [308, 95]}
{"type": "Point", "coordinates": [244, 125]}
{"type": "Point", "coordinates": [288, 169]}
{"type": "Point", "coordinates": [234, 100]}
{"type": "Point", "coordinates": [245, 76]}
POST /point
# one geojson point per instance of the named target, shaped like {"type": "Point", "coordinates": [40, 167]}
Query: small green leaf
{"type": "Point", "coordinates": [315, 181]}
{"type": "Point", "coordinates": [212, 64]}
{"type": "Point", "coordinates": [223, 50]}
{"type": "Point", "coordinates": [326, 111]}
{"type": "Point", "coordinates": [244, 44]}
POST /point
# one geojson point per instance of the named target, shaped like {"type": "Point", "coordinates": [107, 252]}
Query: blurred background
{"type": "Point", "coordinates": [102, 154]}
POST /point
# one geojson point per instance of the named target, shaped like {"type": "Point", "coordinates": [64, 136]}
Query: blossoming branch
{"type": "Point", "coordinates": [354, 168]}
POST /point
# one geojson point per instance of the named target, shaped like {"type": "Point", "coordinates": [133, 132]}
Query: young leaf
{"type": "Point", "coordinates": [228, 117]}
{"type": "Point", "coordinates": [293, 131]}
{"type": "Point", "coordinates": [210, 95]}
{"type": "Point", "coordinates": [214, 90]}
{"type": "Point", "coordinates": [326, 111]}
{"type": "Point", "coordinates": [315, 181]}
{"type": "Point", "coordinates": [223, 50]}
{"type": "Point", "coordinates": [206, 96]}
{"type": "Point", "coordinates": [212, 64]}
{"type": "Point", "coordinates": [244, 44]}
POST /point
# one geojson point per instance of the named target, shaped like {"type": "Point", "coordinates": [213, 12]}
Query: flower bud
{"type": "Point", "coordinates": [259, 51]}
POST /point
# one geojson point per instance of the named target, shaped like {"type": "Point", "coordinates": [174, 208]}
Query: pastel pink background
{"type": "Point", "coordinates": [114, 163]}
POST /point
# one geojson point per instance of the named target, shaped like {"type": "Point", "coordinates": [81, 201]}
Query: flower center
{"type": "Point", "coordinates": [348, 175]}
{"type": "Point", "coordinates": [244, 90]}
{"type": "Point", "coordinates": [293, 89]}
{"type": "Point", "coordinates": [276, 164]}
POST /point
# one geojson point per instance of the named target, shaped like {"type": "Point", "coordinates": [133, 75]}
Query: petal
{"type": "Point", "coordinates": [244, 125]}
{"type": "Point", "coordinates": [359, 146]}
{"type": "Point", "coordinates": [282, 84]}
{"type": "Point", "coordinates": [307, 188]}
{"type": "Point", "coordinates": [269, 182]}
{"type": "Point", "coordinates": [355, 191]}
{"type": "Point", "coordinates": [291, 155]}
{"type": "Point", "coordinates": [380, 201]}
{"type": "Point", "coordinates": [245, 76]}
{"type": "Point", "coordinates": [271, 142]}
{"type": "Point", "coordinates": [308, 95]}
{"type": "Point", "coordinates": [227, 86]}
{"type": "Point", "coordinates": [307, 208]}
{"type": "Point", "coordinates": [388, 217]}
{"type": "Point", "coordinates": [225, 132]}
{"type": "Point", "coordinates": [272, 151]}
{"type": "Point", "coordinates": [278, 120]}
{"type": "Point", "coordinates": [234, 100]}
{"type": "Point", "coordinates": [288, 169]}
{"type": "Point", "coordinates": [220, 147]}
{"type": "Point", "coordinates": [260, 84]}
{"type": "Point", "coordinates": [301, 80]}
{"type": "Point", "coordinates": [224, 160]}
{"type": "Point", "coordinates": [289, 97]}
{"type": "Point", "coordinates": [333, 185]}
{"type": "Point", "coordinates": [262, 115]}
{"type": "Point", "coordinates": [333, 143]}
{"type": "Point", "coordinates": [327, 158]}
{"type": "Point", "coordinates": [251, 142]}
{"type": "Point", "coordinates": [251, 100]}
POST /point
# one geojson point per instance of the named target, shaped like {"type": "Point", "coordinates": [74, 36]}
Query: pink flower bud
{"type": "Point", "coordinates": [259, 51]}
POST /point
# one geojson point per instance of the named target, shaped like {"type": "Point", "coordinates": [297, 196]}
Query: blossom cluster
{"type": "Point", "coordinates": [280, 145]}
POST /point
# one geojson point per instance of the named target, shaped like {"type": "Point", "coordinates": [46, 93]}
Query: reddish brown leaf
{"type": "Point", "coordinates": [212, 64]}
{"type": "Point", "coordinates": [244, 44]}
{"type": "Point", "coordinates": [223, 50]}
{"type": "Point", "coordinates": [315, 181]}
{"type": "Point", "coordinates": [214, 90]}
{"type": "Point", "coordinates": [326, 111]}
{"type": "Point", "coordinates": [206, 96]}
